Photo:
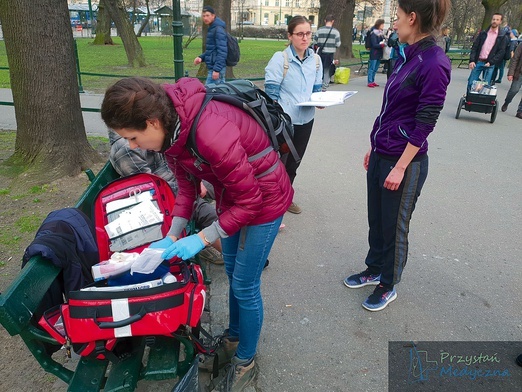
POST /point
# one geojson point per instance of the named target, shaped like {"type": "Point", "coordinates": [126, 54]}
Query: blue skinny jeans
{"type": "Point", "coordinates": [373, 67]}
{"type": "Point", "coordinates": [245, 254]}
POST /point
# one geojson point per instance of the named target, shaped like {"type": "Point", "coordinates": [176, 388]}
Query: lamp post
{"type": "Point", "coordinates": [177, 37]}
{"type": "Point", "coordinates": [280, 3]}
{"type": "Point", "coordinates": [242, 19]}
{"type": "Point", "coordinates": [90, 16]}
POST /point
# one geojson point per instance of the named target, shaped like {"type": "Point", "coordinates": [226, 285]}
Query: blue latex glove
{"type": "Point", "coordinates": [162, 244]}
{"type": "Point", "coordinates": [184, 248]}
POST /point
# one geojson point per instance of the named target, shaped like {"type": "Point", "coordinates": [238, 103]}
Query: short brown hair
{"type": "Point", "coordinates": [430, 13]}
{"type": "Point", "coordinates": [130, 102]}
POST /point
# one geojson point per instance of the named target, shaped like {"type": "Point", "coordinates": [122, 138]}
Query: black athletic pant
{"type": "Point", "coordinates": [389, 215]}
{"type": "Point", "coordinates": [302, 135]}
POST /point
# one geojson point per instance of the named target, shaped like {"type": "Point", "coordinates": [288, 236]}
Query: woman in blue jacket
{"type": "Point", "coordinates": [397, 162]}
{"type": "Point", "coordinates": [291, 77]}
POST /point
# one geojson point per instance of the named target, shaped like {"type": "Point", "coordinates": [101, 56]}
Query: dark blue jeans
{"type": "Point", "coordinates": [245, 254]}
{"type": "Point", "coordinates": [389, 215]}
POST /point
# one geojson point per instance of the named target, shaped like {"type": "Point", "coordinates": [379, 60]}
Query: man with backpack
{"type": "Point", "coordinates": [216, 49]}
{"type": "Point", "coordinates": [327, 39]}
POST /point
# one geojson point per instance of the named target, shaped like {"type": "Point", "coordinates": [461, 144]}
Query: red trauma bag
{"type": "Point", "coordinates": [97, 318]}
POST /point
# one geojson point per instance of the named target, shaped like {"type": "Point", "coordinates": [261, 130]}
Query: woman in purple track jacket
{"type": "Point", "coordinates": [397, 162]}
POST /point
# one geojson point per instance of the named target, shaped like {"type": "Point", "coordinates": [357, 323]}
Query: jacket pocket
{"type": "Point", "coordinates": [403, 132]}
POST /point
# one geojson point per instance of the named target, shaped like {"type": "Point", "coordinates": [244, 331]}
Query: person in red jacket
{"type": "Point", "coordinates": [252, 191]}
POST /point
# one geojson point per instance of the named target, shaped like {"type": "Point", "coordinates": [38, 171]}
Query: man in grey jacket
{"type": "Point", "coordinates": [515, 77]}
{"type": "Point", "coordinates": [327, 39]}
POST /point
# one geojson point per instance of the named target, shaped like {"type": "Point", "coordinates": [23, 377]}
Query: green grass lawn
{"type": "Point", "coordinates": [159, 55]}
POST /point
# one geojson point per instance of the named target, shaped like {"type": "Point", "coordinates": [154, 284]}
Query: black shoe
{"type": "Point", "coordinates": [504, 107]}
{"type": "Point", "coordinates": [497, 81]}
{"type": "Point", "coordinates": [518, 115]}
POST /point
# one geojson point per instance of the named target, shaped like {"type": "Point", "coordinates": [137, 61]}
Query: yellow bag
{"type": "Point", "coordinates": [342, 75]}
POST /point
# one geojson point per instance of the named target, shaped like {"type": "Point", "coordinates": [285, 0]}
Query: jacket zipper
{"type": "Point", "coordinates": [387, 90]}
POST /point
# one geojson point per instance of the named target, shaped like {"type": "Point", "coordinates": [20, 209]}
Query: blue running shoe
{"type": "Point", "coordinates": [362, 279]}
{"type": "Point", "coordinates": [380, 298]}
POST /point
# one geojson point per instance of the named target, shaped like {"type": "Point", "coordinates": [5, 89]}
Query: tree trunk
{"type": "Point", "coordinates": [222, 8]}
{"type": "Point", "coordinates": [145, 22]}
{"type": "Point", "coordinates": [131, 44]}
{"type": "Point", "coordinates": [50, 139]}
{"type": "Point", "coordinates": [491, 7]}
{"type": "Point", "coordinates": [343, 13]}
{"type": "Point", "coordinates": [103, 26]}
{"type": "Point", "coordinates": [346, 29]}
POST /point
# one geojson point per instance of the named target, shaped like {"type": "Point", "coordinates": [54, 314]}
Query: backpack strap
{"type": "Point", "coordinates": [246, 106]}
{"type": "Point", "coordinates": [191, 140]}
{"type": "Point", "coordinates": [286, 65]}
{"type": "Point", "coordinates": [320, 49]}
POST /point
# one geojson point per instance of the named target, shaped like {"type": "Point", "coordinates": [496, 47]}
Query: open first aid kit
{"type": "Point", "coordinates": [129, 214]}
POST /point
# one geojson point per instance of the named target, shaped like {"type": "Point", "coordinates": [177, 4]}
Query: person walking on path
{"type": "Point", "coordinates": [328, 39]}
{"type": "Point", "coordinates": [515, 77]}
{"type": "Point", "coordinates": [291, 77]}
{"type": "Point", "coordinates": [252, 192]}
{"type": "Point", "coordinates": [487, 51]}
{"type": "Point", "coordinates": [216, 51]}
{"type": "Point", "coordinates": [397, 162]}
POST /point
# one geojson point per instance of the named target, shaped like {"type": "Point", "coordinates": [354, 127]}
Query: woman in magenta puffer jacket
{"type": "Point", "coordinates": [252, 190]}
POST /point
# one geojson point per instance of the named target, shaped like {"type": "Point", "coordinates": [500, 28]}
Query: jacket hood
{"type": "Point", "coordinates": [217, 22]}
{"type": "Point", "coordinates": [187, 95]}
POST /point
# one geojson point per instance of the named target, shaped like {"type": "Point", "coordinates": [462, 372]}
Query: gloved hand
{"type": "Point", "coordinates": [162, 244]}
{"type": "Point", "coordinates": [184, 248]}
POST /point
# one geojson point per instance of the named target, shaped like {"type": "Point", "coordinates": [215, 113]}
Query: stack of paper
{"type": "Point", "coordinates": [136, 226]}
{"type": "Point", "coordinates": [328, 98]}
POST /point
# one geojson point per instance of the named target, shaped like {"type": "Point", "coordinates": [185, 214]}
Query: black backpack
{"type": "Point", "coordinates": [507, 53]}
{"type": "Point", "coordinates": [368, 40]}
{"type": "Point", "coordinates": [269, 114]}
{"type": "Point", "coordinates": [233, 52]}
{"type": "Point", "coordinates": [393, 40]}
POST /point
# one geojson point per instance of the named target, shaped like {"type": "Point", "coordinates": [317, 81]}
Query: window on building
{"type": "Point", "coordinates": [277, 3]}
{"type": "Point", "coordinates": [297, 5]}
{"type": "Point", "coordinates": [267, 3]}
{"type": "Point", "coordinates": [287, 3]}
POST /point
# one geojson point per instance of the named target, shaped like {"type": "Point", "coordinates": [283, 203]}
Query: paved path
{"type": "Point", "coordinates": [463, 276]}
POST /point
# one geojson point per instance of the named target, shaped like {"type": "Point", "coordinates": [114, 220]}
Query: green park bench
{"type": "Point", "coordinates": [364, 58]}
{"type": "Point", "coordinates": [364, 62]}
{"type": "Point", "coordinates": [23, 296]}
{"type": "Point", "coordinates": [460, 56]}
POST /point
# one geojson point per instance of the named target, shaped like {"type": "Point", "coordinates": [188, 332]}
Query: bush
{"type": "Point", "coordinates": [260, 32]}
